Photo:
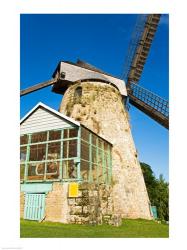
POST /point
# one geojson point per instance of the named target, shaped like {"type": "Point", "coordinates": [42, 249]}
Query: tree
{"type": "Point", "coordinates": [158, 191]}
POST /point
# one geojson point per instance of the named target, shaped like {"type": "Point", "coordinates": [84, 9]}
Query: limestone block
{"type": "Point", "coordinates": [115, 220]}
{"type": "Point", "coordinates": [76, 210]}
{"type": "Point", "coordinates": [85, 209]}
{"type": "Point", "coordinates": [71, 201]}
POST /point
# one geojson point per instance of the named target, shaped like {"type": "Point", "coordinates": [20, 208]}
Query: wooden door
{"type": "Point", "coordinates": [34, 206]}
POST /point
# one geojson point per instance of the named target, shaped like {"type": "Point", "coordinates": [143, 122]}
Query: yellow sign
{"type": "Point", "coordinates": [73, 189]}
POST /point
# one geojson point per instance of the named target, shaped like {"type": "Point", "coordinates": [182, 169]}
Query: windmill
{"type": "Point", "coordinates": [148, 102]}
{"type": "Point", "coordinates": [96, 99]}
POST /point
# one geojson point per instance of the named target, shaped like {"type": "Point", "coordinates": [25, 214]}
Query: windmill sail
{"type": "Point", "coordinates": [151, 104]}
{"type": "Point", "coordinates": [139, 46]}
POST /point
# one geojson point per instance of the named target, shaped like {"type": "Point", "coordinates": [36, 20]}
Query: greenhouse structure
{"type": "Point", "coordinates": [56, 151]}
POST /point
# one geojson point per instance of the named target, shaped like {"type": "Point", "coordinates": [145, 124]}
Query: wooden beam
{"type": "Point", "coordinates": [38, 86]}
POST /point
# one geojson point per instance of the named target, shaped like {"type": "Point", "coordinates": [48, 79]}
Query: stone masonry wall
{"type": "Point", "coordinates": [94, 205]}
{"type": "Point", "coordinates": [100, 108]}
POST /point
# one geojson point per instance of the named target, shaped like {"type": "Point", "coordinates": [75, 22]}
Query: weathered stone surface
{"type": "Point", "coordinates": [76, 210]}
{"type": "Point", "coordinates": [71, 201]}
{"type": "Point", "coordinates": [101, 109]}
{"type": "Point", "coordinates": [115, 220]}
{"type": "Point", "coordinates": [57, 208]}
{"type": "Point", "coordinates": [90, 207]}
{"type": "Point", "coordinates": [85, 209]}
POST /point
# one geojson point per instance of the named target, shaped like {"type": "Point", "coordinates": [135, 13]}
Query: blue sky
{"type": "Point", "coordinates": [101, 40]}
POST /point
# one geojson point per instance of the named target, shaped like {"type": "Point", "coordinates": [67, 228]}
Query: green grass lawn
{"type": "Point", "coordinates": [129, 229]}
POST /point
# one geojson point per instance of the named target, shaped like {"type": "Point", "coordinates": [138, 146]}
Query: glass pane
{"type": "Point", "coordinates": [100, 164]}
{"type": "Point", "coordinates": [22, 171]}
{"type": "Point", "coordinates": [94, 172]}
{"type": "Point", "coordinates": [52, 170]}
{"type": "Point", "coordinates": [94, 160]}
{"type": "Point", "coordinates": [107, 175]}
{"type": "Point", "coordinates": [85, 134]}
{"type": "Point", "coordinates": [69, 169]}
{"type": "Point", "coordinates": [23, 154]}
{"type": "Point", "coordinates": [36, 171]}
{"type": "Point", "coordinates": [53, 151]}
{"type": "Point", "coordinates": [72, 148]}
{"type": "Point", "coordinates": [109, 168]}
{"type": "Point", "coordinates": [23, 139]}
{"type": "Point", "coordinates": [66, 132]}
{"type": "Point", "coordinates": [105, 169]}
{"type": "Point", "coordinates": [84, 170]}
{"type": "Point", "coordinates": [73, 133]}
{"type": "Point", "coordinates": [107, 160]}
{"type": "Point", "coordinates": [39, 137]}
{"type": "Point", "coordinates": [85, 150]}
{"type": "Point", "coordinates": [54, 135]}
{"type": "Point", "coordinates": [65, 149]}
{"type": "Point", "coordinates": [100, 143]}
{"type": "Point", "coordinates": [94, 139]}
{"type": "Point", "coordinates": [105, 146]}
{"type": "Point", "coordinates": [37, 152]}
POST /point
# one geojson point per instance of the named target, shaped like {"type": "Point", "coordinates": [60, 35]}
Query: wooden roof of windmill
{"type": "Point", "coordinates": [69, 72]}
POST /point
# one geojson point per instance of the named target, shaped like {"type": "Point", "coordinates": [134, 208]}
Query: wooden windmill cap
{"type": "Point", "coordinates": [68, 73]}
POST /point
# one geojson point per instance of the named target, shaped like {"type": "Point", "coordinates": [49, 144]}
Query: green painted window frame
{"type": "Point", "coordinates": [104, 155]}
{"type": "Point", "coordinates": [60, 160]}
{"type": "Point", "coordinates": [102, 152]}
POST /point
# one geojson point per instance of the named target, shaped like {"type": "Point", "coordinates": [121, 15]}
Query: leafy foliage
{"type": "Point", "coordinates": [158, 191]}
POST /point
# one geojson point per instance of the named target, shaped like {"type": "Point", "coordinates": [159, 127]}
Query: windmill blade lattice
{"type": "Point", "coordinates": [151, 104]}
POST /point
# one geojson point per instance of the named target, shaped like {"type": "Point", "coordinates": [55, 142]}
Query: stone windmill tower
{"type": "Point", "coordinates": [97, 100]}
